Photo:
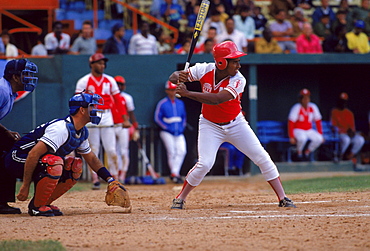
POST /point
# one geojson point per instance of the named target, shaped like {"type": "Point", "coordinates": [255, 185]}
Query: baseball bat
{"type": "Point", "coordinates": [202, 14]}
{"type": "Point", "coordinates": [147, 162]}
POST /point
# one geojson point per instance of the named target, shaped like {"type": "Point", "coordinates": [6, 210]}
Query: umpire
{"type": "Point", "coordinates": [18, 76]}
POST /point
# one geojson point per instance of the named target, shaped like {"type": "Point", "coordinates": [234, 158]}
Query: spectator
{"type": "Point", "coordinates": [2, 49]}
{"type": "Point", "coordinates": [362, 13]}
{"type": "Point", "coordinates": [192, 17]}
{"type": "Point", "coordinates": [211, 34]}
{"type": "Point", "coordinates": [344, 6]}
{"type": "Point", "coordinates": [10, 84]}
{"type": "Point", "coordinates": [337, 42]}
{"type": "Point", "coordinates": [57, 42]}
{"type": "Point", "coordinates": [10, 49]}
{"type": "Point", "coordinates": [214, 21]}
{"type": "Point", "coordinates": [116, 44]}
{"type": "Point", "coordinates": [208, 46]}
{"type": "Point", "coordinates": [241, 3]}
{"type": "Point", "coordinates": [301, 117]}
{"type": "Point", "coordinates": [172, 13]}
{"type": "Point", "coordinates": [104, 85]}
{"type": "Point", "coordinates": [322, 28]}
{"type": "Point", "coordinates": [304, 4]}
{"type": "Point", "coordinates": [297, 21]}
{"type": "Point", "coordinates": [124, 139]}
{"type": "Point", "coordinates": [223, 14]}
{"type": "Point", "coordinates": [170, 116]}
{"type": "Point", "coordinates": [84, 44]}
{"type": "Point", "coordinates": [308, 42]}
{"type": "Point", "coordinates": [267, 44]}
{"type": "Point", "coordinates": [143, 43]}
{"type": "Point", "coordinates": [341, 19]}
{"type": "Point", "coordinates": [282, 28]}
{"type": "Point", "coordinates": [324, 9]}
{"type": "Point", "coordinates": [277, 5]}
{"type": "Point", "coordinates": [260, 20]}
{"type": "Point", "coordinates": [164, 43]}
{"type": "Point", "coordinates": [234, 35]}
{"type": "Point", "coordinates": [343, 119]}
{"type": "Point", "coordinates": [39, 49]}
{"type": "Point", "coordinates": [244, 23]}
{"type": "Point", "coordinates": [358, 41]}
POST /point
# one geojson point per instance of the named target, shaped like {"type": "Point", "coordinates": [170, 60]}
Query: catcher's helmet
{"type": "Point", "coordinates": [86, 100]}
{"type": "Point", "coordinates": [120, 79]}
{"type": "Point", "coordinates": [25, 69]}
{"type": "Point", "coordinates": [223, 51]}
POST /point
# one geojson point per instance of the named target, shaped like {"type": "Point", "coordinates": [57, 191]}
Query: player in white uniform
{"type": "Point", "coordinates": [222, 120]}
{"type": "Point", "coordinates": [104, 85]}
{"type": "Point", "coordinates": [124, 133]}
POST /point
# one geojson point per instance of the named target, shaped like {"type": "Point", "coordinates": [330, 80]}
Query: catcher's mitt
{"type": "Point", "coordinates": [117, 195]}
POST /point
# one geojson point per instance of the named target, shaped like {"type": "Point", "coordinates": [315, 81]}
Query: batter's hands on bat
{"type": "Point", "coordinates": [183, 76]}
{"type": "Point", "coordinates": [23, 193]}
{"type": "Point", "coordinates": [181, 89]}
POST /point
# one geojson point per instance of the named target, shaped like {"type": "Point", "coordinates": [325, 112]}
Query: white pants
{"type": "Point", "coordinates": [302, 136]}
{"type": "Point", "coordinates": [176, 151]}
{"type": "Point", "coordinates": [106, 135]}
{"type": "Point", "coordinates": [238, 133]}
{"type": "Point", "coordinates": [123, 140]}
{"type": "Point", "coordinates": [357, 142]}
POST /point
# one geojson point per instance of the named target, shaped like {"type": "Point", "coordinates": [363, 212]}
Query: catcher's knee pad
{"type": "Point", "coordinates": [73, 164]}
{"type": "Point", "coordinates": [48, 178]}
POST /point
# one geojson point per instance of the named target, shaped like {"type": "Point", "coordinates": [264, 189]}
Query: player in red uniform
{"type": "Point", "coordinates": [222, 120]}
{"type": "Point", "coordinates": [104, 85]}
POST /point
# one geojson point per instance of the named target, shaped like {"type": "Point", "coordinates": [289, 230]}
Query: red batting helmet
{"type": "Point", "coordinates": [223, 51]}
{"type": "Point", "coordinates": [120, 79]}
{"type": "Point", "coordinates": [170, 86]}
{"type": "Point", "coordinates": [96, 57]}
{"type": "Point", "coordinates": [304, 92]}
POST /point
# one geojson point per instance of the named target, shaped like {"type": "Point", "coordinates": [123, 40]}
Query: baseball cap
{"type": "Point", "coordinates": [305, 92]}
{"type": "Point", "coordinates": [343, 96]}
{"type": "Point", "coordinates": [116, 27]}
{"type": "Point", "coordinates": [15, 66]}
{"type": "Point", "coordinates": [96, 57]}
{"type": "Point", "coordinates": [360, 24]}
{"type": "Point", "coordinates": [119, 79]}
{"type": "Point", "coordinates": [170, 86]}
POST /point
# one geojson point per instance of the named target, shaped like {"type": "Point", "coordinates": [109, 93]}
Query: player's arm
{"type": "Point", "coordinates": [206, 98]}
{"type": "Point", "coordinates": [29, 167]}
{"type": "Point", "coordinates": [96, 165]}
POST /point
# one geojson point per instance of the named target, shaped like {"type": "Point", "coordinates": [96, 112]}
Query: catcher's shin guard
{"type": "Point", "coordinates": [48, 179]}
{"type": "Point", "coordinates": [72, 173]}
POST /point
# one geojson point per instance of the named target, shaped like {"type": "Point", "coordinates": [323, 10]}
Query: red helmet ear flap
{"type": "Point", "coordinates": [221, 63]}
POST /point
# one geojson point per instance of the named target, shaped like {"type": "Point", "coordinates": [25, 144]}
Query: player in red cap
{"type": "Point", "coordinates": [104, 85]}
{"type": "Point", "coordinates": [222, 120]}
{"type": "Point", "coordinates": [301, 117]}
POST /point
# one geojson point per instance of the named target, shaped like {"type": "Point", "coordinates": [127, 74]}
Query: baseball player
{"type": "Point", "coordinates": [300, 129]}
{"type": "Point", "coordinates": [344, 120]}
{"type": "Point", "coordinates": [18, 75]}
{"type": "Point", "coordinates": [221, 119]}
{"type": "Point", "coordinates": [123, 134]}
{"type": "Point", "coordinates": [39, 156]}
{"type": "Point", "coordinates": [105, 86]}
{"type": "Point", "coordinates": [170, 116]}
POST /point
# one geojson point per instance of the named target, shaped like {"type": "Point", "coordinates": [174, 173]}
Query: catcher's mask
{"type": "Point", "coordinates": [25, 69]}
{"type": "Point", "coordinates": [223, 51]}
{"type": "Point", "coordinates": [87, 100]}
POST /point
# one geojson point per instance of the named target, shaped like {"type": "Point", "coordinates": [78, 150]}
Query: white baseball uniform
{"type": "Point", "coordinates": [225, 123]}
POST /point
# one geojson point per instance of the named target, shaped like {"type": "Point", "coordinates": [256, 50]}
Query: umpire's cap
{"type": "Point", "coordinates": [96, 57]}
{"type": "Point", "coordinates": [15, 66]}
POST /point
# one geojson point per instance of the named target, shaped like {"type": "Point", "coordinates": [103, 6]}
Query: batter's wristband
{"type": "Point", "coordinates": [104, 174]}
{"type": "Point", "coordinates": [136, 125]}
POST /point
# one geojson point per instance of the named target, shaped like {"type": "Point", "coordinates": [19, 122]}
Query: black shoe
{"type": "Point", "coordinates": [178, 204]}
{"type": "Point", "coordinates": [286, 202]}
{"type": "Point", "coordinates": [41, 211]}
{"type": "Point", "coordinates": [56, 210]}
{"type": "Point", "coordinates": [6, 209]}
{"type": "Point", "coordinates": [177, 180]}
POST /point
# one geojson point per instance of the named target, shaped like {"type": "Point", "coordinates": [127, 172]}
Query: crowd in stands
{"type": "Point", "coordinates": [298, 26]}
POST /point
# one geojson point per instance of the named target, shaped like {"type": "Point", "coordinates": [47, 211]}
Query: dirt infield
{"type": "Point", "coordinates": [230, 213]}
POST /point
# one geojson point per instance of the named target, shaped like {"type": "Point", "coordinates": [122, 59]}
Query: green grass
{"type": "Point", "coordinates": [20, 245]}
{"type": "Point", "coordinates": [330, 184]}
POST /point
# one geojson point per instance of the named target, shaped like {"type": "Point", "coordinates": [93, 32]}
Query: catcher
{"type": "Point", "coordinates": [41, 157]}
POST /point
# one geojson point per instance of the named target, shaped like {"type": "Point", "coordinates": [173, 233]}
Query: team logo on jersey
{"type": "Point", "coordinates": [207, 87]}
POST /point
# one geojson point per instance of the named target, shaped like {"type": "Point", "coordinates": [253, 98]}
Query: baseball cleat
{"type": "Point", "coordinates": [41, 211]}
{"type": "Point", "coordinates": [177, 180]}
{"type": "Point", "coordinates": [56, 210]}
{"type": "Point", "coordinates": [6, 209]}
{"type": "Point", "coordinates": [286, 202]}
{"type": "Point", "coordinates": [178, 204]}
{"type": "Point", "coordinates": [96, 186]}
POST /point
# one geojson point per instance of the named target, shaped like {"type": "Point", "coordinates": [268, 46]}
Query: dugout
{"type": "Point", "coordinates": [273, 85]}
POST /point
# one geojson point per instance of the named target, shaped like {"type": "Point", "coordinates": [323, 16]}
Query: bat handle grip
{"type": "Point", "coordinates": [185, 69]}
